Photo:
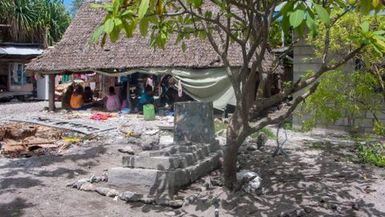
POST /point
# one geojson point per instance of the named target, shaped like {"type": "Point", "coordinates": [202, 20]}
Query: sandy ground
{"type": "Point", "coordinates": [320, 177]}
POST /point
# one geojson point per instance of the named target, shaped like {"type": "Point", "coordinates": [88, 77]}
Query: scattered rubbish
{"type": "Point", "coordinates": [251, 181]}
{"type": "Point", "coordinates": [25, 139]}
{"type": "Point", "coordinates": [101, 116]}
{"type": "Point", "coordinates": [87, 187]}
{"type": "Point", "coordinates": [127, 131]}
{"type": "Point", "coordinates": [73, 125]}
{"type": "Point", "coordinates": [127, 150]}
{"type": "Point", "coordinates": [151, 132]}
{"type": "Point", "coordinates": [72, 139]}
{"type": "Point", "coordinates": [126, 111]}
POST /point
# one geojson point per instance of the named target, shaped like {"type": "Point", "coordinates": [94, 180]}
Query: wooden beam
{"type": "Point", "coordinates": [51, 92]}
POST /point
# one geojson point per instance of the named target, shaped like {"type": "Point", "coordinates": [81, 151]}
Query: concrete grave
{"type": "Point", "coordinates": [193, 154]}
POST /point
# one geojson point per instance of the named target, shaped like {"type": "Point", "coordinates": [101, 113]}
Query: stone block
{"type": "Point", "coordinates": [160, 163]}
{"type": "Point", "coordinates": [199, 170]}
{"type": "Point", "coordinates": [194, 122]}
{"type": "Point", "coordinates": [120, 176]}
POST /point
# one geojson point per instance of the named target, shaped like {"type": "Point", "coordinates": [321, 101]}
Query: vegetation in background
{"type": "Point", "coordinates": [37, 21]}
{"type": "Point", "coordinates": [373, 154]}
{"type": "Point", "coordinates": [349, 94]}
{"type": "Point", "coordinates": [267, 131]}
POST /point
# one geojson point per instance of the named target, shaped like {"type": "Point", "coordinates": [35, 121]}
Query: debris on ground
{"type": "Point", "coordinates": [251, 181]}
{"type": "Point", "coordinates": [101, 116]}
{"type": "Point", "coordinates": [20, 139]}
{"type": "Point", "coordinates": [127, 150]}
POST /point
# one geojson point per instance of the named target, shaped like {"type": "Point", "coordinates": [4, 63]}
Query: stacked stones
{"type": "Point", "coordinates": [194, 153]}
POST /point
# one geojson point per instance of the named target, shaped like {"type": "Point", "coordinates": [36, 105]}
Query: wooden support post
{"type": "Point", "coordinates": [51, 92]}
{"type": "Point", "coordinates": [129, 101]}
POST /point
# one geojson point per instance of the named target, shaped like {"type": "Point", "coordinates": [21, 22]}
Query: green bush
{"type": "Point", "coordinates": [373, 154]}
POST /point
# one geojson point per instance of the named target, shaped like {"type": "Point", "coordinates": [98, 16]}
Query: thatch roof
{"type": "Point", "coordinates": [76, 53]}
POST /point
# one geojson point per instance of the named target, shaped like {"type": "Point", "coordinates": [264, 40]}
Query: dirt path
{"type": "Point", "coordinates": [320, 177]}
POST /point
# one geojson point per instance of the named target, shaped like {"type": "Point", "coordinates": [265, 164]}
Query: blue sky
{"type": "Point", "coordinates": [67, 3]}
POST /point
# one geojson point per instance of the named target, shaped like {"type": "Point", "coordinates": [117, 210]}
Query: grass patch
{"type": "Point", "coordinates": [373, 154]}
{"type": "Point", "coordinates": [267, 131]}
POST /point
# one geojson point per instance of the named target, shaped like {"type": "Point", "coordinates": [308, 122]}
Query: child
{"type": "Point", "coordinates": [112, 100]}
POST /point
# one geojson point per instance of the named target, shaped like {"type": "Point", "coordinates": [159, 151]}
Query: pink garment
{"type": "Point", "coordinates": [150, 82]}
{"type": "Point", "coordinates": [112, 103]}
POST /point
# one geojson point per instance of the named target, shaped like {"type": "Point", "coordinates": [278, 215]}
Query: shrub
{"type": "Point", "coordinates": [373, 154]}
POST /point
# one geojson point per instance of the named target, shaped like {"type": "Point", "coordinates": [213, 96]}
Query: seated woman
{"type": "Point", "coordinates": [88, 94]}
{"type": "Point", "coordinates": [147, 97]}
{"type": "Point", "coordinates": [112, 102]}
{"type": "Point", "coordinates": [77, 99]}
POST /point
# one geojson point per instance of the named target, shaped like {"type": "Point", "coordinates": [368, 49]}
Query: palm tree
{"type": "Point", "coordinates": [41, 21]}
{"type": "Point", "coordinates": [21, 15]}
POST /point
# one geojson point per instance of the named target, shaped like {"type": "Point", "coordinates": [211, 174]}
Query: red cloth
{"type": "Point", "coordinates": [100, 116]}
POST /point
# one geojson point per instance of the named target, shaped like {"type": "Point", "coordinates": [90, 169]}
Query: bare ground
{"type": "Point", "coordinates": [320, 177]}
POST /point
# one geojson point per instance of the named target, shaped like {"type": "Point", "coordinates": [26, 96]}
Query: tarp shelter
{"type": "Point", "coordinates": [198, 67]}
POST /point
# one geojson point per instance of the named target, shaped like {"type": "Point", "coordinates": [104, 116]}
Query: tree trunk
{"type": "Point", "coordinates": [230, 162]}
{"type": "Point", "coordinates": [234, 139]}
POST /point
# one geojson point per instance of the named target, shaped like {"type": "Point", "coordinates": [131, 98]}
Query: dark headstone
{"type": "Point", "coordinates": [194, 122]}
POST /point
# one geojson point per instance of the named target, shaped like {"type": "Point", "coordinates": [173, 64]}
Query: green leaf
{"type": "Point", "coordinates": [114, 36]}
{"type": "Point", "coordinates": [128, 28]}
{"type": "Point", "coordinates": [197, 3]}
{"type": "Point", "coordinates": [202, 35]}
{"type": "Point", "coordinates": [311, 24]}
{"type": "Point", "coordinates": [117, 21]}
{"type": "Point", "coordinates": [285, 24]}
{"type": "Point", "coordinates": [296, 18]}
{"type": "Point", "coordinates": [365, 27]}
{"type": "Point", "coordinates": [381, 32]}
{"type": "Point", "coordinates": [322, 13]}
{"type": "Point", "coordinates": [109, 25]}
{"type": "Point", "coordinates": [286, 8]}
{"type": "Point", "coordinates": [96, 35]}
{"type": "Point", "coordinates": [107, 6]}
{"type": "Point", "coordinates": [143, 26]}
{"type": "Point", "coordinates": [143, 7]}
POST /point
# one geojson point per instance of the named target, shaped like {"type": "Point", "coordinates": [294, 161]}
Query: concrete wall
{"type": "Point", "coordinates": [305, 60]}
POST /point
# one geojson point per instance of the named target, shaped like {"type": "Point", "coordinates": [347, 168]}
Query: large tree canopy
{"type": "Point", "coordinates": [42, 21]}
{"type": "Point", "coordinates": [248, 25]}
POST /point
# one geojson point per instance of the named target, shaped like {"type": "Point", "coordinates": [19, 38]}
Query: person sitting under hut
{"type": "Point", "coordinates": [147, 97]}
{"type": "Point", "coordinates": [88, 95]}
{"type": "Point", "coordinates": [66, 99]}
{"type": "Point", "coordinates": [112, 101]}
{"type": "Point", "coordinates": [77, 99]}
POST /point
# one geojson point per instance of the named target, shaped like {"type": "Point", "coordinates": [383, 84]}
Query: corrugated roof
{"type": "Point", "coordinates": [20, 51]}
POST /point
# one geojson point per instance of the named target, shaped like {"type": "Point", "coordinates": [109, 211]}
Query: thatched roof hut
{"type": "Point", "coordinates": [199, 67]}
{"type": "Point", "coordinates": [76, 53]}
